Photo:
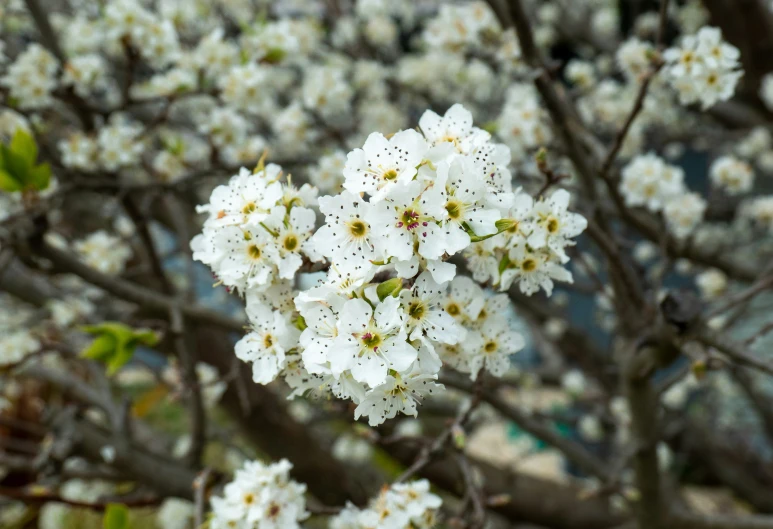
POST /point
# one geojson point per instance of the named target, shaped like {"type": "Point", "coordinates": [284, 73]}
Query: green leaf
{"type": "Point", "coordinates": [8, 183]}
{"type": "Point", "coordinates": [16, 165]}
{"type": "Point", "coordinates": [391, 287]}
{"type": "Point", "coordinates": [115, 343]}
{"type": "Point", "coordinates": [40, 177]}
{"type": "Point", "coordinates": [116, 517]}
{"type": "Point", "coordinates": [101, 348]}
{"type": "Point", "coordinates": [121, 357]}
{"type": "Point", "coordinates": [23, 144]}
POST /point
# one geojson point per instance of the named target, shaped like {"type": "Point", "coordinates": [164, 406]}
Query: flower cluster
{"type": "Point", "coordinates": [683, 213]}
{"type": "Point", "coordinates": [531, 249]}
{"type": "Point", "coordinates": [488, 339]}
{"type": "Point", "coordinates": [409, 202]}
{"type": "Point", "coordinates": [648, 181]}
{"type": "Point", "coordinates": [401, 505]}
{"type": "Point", "coordinates": [32, 77]}
{"type": "Point", "coordinates": [523, 123]}
{"type": "Point", "coordinates": [257, 230]}
{"type": "Point", "coordinates": [731, 174]}
{"type": "Point", "coordinates": [260, 497]}
{"type": "Point", "coordinates": [703, 68]}
{"type": "Point", "coordinates": [759, 210]}
{"type": "Point", "coordinates": [104, 252]}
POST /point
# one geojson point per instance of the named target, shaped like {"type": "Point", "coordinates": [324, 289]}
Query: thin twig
{"type": "Point", "coordinates": [573, 451]}
{"type": "Point", "coordinates": [32, 497]}
{"type": "Point", "coordinates": [733, 351]}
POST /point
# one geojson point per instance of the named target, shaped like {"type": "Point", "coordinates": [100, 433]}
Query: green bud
{"type": "Point", "coordinates": [392, 287]}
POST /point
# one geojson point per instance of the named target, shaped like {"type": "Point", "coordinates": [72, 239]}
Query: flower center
{"type": "Point", "coordinates": [390, 175]}
{"type": "Point", "coordinates": [528, 265]}
{"type": "Point", "coordinates": [552, 225]}
{"type": "Point", "coordinates": [357, 228]}
{"type": "Point", "coordinates": [416, 310]}
{"type": "Point", "coordinates": [268, 341]}
{"type": "Point", "coordinates": [409, 220]}
{"type": "Point", "coordinates": [254, 251]}
{"type": "Point", "coordinates": [249, 498]}
{"type": "Point", "coordinates": [454, 209]}
{"type": "Point", "coordinates": [273, 510]}
{"type": "Point", "coordinates": [249, 207]}
{"type": "Point", "coordinates": [490, 347]}
{"type": "Point", "coordinates": [453, 309]}
{"type": "Point", "coordinates": [371, 340]}
{"type": "Point", "coordinates": [290, 243]}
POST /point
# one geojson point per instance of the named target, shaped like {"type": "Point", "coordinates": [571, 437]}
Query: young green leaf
{"type": "Point", "coordinates": [116, 517]}
{"type": "Point", "coordinates": [40, 177]}
{"type": "Point", "coordinates": [8, 183]}
{"type": "Point", "coordinates": [23, 144]}
{"type": "Point", "coordinates": [115, 343]}
{"type": "Point", "coordinates": [101, 348]}
{"type": "Point", "coordinates": [15, 164]}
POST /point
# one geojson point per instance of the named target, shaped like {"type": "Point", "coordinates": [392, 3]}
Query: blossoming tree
{"type": "Point", "coordinates": [290, 264]}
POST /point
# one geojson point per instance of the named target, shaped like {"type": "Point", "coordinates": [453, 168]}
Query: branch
{"type": "Point", "coordinates": [429, 452]}
{"type": "Point", "coordinates": [163, 474]}
{"type": "Point", "coordinates": [638, 106]}
{"type": "Point", "coordinates": [760, 403]}
{"type": "Point", "coordinates": [643, 404]}
{"type": "Point", "coordinates": [31, 497]}
{"type": "Point", "coordinates": [685, 520]}
{"type": "Point", "coordinates": [562, 115]}
{"type": "Point", "coordinates": [573, 451]}
{"type": "Point", "coordinates": [195, 403]}
{"type": "Point", "coordinates": [761, 285]}
{"type": "Point", "coordinates": [47, 35]}
{"type": "Point", "coordinates": [733, 351]}
{"type": "Point", "coordinates": [142, 296]}
{"type": "Point", "coordinates": [530, 499]}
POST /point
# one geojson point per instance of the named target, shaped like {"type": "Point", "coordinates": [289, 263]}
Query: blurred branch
{"type": "Point", "coordinates": [643, 404]}
{"type": "Point", "coordinates": [35, 497]}
{"type": "Point", "coordinates": [64, 262]}
{"type": "Point", "coordinates": [685, 520]}
{"type": "Point", "coordinates": [733, 351]}
{"type": "Point", "coordinates": [198, 414]}
{"type": "Point", "coordinates": [573, 451]}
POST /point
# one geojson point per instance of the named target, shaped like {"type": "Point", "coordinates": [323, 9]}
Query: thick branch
{"type": "Point", "coordinates": [643, 404]}
{"type": "Point", "coordinates": [685, 520]}
{"type": "Point", "coordinates": [144, 297]}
